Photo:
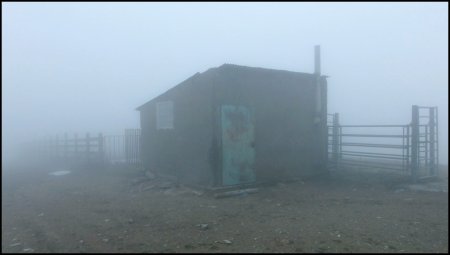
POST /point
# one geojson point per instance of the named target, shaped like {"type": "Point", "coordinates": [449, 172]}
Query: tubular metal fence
{"type": "Point", "coordinates": [411, 148]}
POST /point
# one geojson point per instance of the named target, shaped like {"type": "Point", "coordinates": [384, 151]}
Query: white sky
{"type": "Point", "coordinates": [80, 67]}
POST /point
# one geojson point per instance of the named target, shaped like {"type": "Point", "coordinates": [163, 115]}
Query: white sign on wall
{"type": "Point", "coordinates": [164, 115]}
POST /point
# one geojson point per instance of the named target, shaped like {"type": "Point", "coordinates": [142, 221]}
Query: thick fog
{"type": "Point", "coordinates": [86, 67]}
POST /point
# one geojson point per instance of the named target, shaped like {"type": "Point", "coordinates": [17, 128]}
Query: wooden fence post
{"type": "Point", "coordinates": [65, 148]}
{"type": "Point", "coordinates": [133, 133]}
{"type": "Point", "coordinates": [139, 148]}
{"type": "Point", "coordinates": [127, 147]}
{"type": "Point", "coordinates": [135, 147]}
{"type": "Point", "coordinates": [57, 148]}
{"type": "Point", "coordinates": [87, 147]}
{"type": "Point", "coordinates": [50, 148]}
{"type": "Point", "coordinates": [75, 146]}
{"type": "Point", "coordinates": [46, 145]}
{"type": "Point", "coordinates": [100, 147]}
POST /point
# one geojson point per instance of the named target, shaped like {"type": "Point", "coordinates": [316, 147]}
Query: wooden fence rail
{"type": "Point", "coordinates": [85, 149]}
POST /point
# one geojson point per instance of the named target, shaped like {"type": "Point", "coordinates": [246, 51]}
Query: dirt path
{"type": "Point", "coordinates": [110, 211]}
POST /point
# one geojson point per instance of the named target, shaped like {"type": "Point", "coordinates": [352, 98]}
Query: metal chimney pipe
{"type": "Point", "coordinates": [317, 81]}
{"type": "Point", "coordinates": [317, 59]}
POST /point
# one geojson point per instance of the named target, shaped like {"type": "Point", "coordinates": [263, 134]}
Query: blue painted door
{"type": "Point", "coordinates": [238, 153]}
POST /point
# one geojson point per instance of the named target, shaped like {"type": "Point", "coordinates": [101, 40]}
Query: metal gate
{"type": "Point", "coordinates": [410, 149]}
{"type": "Point", "coordinates": [123, 148]}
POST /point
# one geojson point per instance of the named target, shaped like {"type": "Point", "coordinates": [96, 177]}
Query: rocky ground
{"type": "Point", "coordinates": [120, 210]}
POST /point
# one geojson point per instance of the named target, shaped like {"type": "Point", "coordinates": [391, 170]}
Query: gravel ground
{"type": "Point", "coordinates": [120, 210]}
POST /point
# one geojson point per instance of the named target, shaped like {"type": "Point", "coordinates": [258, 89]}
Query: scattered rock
{"type": "Point", "coordinates": [150, 175]}
{"type": "Point", "coordinates": [105, 240]}
{"type": "Point", "coordinates": [286, 241]}
{"type": "Point", "coordinates": [281, 185]}
{"type": "Point", "coordinates": [238, 192]}
{"type": "Point", "coordinates": [165, 185]}
{"type": "Point", "coordinates": [203, 226]}
{"type": "Point", "coordinates": [148, 187]}
{"type": "Point", "coordinates": [28, 250]}
{"type": "Point", "coordinates": [168, 191]}
{"type": "Point", "coordinates": [213, 247]}
{"type": "Point", "coordinates": [189, 246]}
{"type": "Point", "coordinates": [41, 214]}
{"type": "Point", "coordinates": [14, 244]}
{"type": "Point", "coordinates": [195, 192]}
{"type": "Point", "coordinates": [140, 180]}
{"type": "Point", "coordinates": [227, 242]}
{"type": "Point", "coordinates": [279, 231]}
{"type": "Point", "coordinates": [59, 173]}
